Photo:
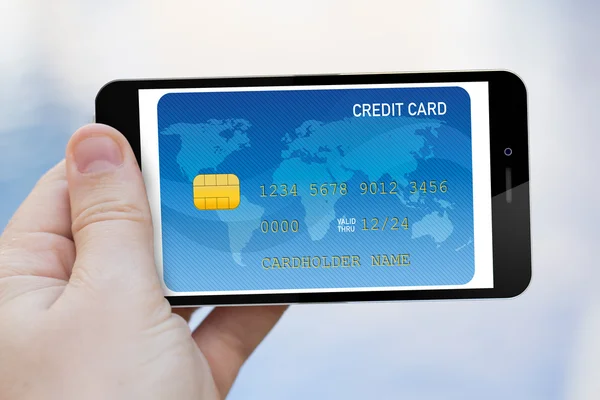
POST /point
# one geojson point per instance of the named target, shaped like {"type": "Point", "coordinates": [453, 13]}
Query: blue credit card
{"type": "Point", "coordinates": [264, 189]}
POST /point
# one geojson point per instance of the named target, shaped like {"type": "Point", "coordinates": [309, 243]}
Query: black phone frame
{"type": "Point", "coordinates": [117, 105]}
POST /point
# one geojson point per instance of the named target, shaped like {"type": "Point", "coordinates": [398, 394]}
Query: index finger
{"type": "Point", "coordinates": [40, 231]}
{"type": "Point", "coordinates": [46, 208]}
{"type": "Point", "coordinates": [229, 335]}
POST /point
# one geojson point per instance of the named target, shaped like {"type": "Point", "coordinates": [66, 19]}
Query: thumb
{"type": "Point", "coordinates": [111, 222]}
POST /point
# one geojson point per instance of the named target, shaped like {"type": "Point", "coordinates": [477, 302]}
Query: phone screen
{"type": "Point", "coordinates": [319, 188]}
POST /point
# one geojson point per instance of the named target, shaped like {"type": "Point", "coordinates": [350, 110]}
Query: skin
{"type": "Point", "coordinates": [82, 314]}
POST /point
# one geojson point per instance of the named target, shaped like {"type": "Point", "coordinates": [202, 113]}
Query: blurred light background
{"type": "Point", "coordinates": [55, 55]}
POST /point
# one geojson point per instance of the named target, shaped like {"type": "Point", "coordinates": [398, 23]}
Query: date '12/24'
{"type": "Point", "coordinates": [385, 224]}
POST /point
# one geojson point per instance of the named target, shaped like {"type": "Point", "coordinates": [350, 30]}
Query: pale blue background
{"type": "Point", "coordinates": [54, 56]}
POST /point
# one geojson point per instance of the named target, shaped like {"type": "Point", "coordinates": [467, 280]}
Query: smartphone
{"type": "Point", "coordinates": [332, 188]}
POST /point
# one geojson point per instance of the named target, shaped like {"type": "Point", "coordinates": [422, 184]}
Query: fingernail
{"type": "Point", "coordinates": [97, 154]}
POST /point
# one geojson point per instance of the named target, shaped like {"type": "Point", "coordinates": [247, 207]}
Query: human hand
{"type": "Point", "coordinates": [82, 313]}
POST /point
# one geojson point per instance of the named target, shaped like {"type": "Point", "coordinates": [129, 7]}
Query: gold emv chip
{"type": "Point", "coordinates": [216, 191]}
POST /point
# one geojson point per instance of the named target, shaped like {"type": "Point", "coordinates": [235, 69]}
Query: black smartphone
{"type": "Point", "coordinates": [332, 188]}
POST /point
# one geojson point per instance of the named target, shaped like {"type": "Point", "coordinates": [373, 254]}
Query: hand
{"type": "Point", "coordinates": [82, 314]}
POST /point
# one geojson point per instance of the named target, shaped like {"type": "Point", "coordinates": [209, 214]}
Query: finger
{"type": "Point", "coordinates": [46, 209]}
{"type": "Point", "coordinates": [110, 215]}
{"type": "Point", "coordinates": [37, 240]}
{"type": "Point", "coordinates": [229, 335]}
{"type": "Point", "coordinates": [185, 312]}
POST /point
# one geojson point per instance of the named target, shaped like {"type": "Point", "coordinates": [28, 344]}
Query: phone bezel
{"type": "Point", "coordinates": [117, 105]}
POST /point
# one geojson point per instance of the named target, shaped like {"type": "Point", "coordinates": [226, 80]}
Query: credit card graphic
{"type": "Point", "coordinates": [266, 189]}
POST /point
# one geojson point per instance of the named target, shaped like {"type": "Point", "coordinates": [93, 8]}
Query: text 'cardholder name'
{"type": "Point", "coordinates": [216, 191]}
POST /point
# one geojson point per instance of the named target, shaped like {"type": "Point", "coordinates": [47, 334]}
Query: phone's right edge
{"type": "Point", "coordinates": [509, 157]}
